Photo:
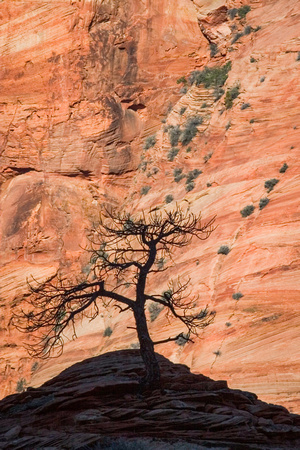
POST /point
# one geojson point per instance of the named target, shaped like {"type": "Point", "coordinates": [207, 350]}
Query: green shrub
{"type": "Point", "coordinates": [181, 80]}
{"type": "Point", "coordinates": [190, 129]}
{"type": "Point", "coordinates": [174, 133]}
{"type": "Point", "coordinates": [228, 324]}
{"type": "Point", "coordinates": [269, 184]}
{"type": "Point", "coordinates": [204, 105]}
{"type": "Point", "coordinates": [189, 149]}
{"type": "Point", "coordinates": [21, 385]}
{"type": "Point", "coordinates": [154, 310]}
{"type": "Point", "coordinates": [107, 332]}
{"type": "Point", "coordinates": [189, 186]}
{"type": "Point", "coordinates": [192, 175]}
{"type": "Point", "coordinates": [183, 90]}
{"type": "Point", "coordinates": [237, 296]}
{"type": "Point", "coordinates": [232, 12]}
{"type": "Point", "coordinates": [245, 106]}
{"type": "Point", "coordinates": [182, 110]}
{"type": "Point", "coordinates": [172, 153]}
{"type": "Point", "coordinates": [263, 202]}
{"type": "Point", "coordinates": [236, 37]}
{"type": "Point", "coordinates": [223, 250]}
{"type": "Point", "coordinates": [247, 30]}
{"type": "Point", "coordinates": [145, 190]}
{"type": "Point", "coordinates": [243, 11]}
{"type": "Point", "coordinates": [228, 125]}
{"type": "Point", "coordinates": [249, 209]}
{"type": "Point", "coordinates": [34, 366]}
{"type": "Point", "coordinates": [211, 77]}
{"type": "Point", "coordinates": [283, 168]}
{"type": "Point", "coordinates": [262, 79]}
{"type": "Point", "coordinates": [251, 120]}
{"type": "Point", "coordinates": [178, 175]}
{"type": "Point", "coordinates": [253, 60]}
{"type": "Point", "coordinates": [231, 94]}
{"type": "Point", "coordinates": [150, 142]}
{"type": "Point", "coordinates": [182, 339]}
{"type": "Point", "coordinates": [207, 157]}
{"type": "Point", "coordinates": [169, 198]}
{"type": "Point", "coordinates": [213, 49]}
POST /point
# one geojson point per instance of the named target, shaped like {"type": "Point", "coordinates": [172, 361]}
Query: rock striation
{"type": "Point", "coordinates": [99, 398]}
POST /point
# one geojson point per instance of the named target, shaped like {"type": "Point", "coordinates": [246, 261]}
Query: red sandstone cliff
{"type": "Point", "coordinates": [82, 85]}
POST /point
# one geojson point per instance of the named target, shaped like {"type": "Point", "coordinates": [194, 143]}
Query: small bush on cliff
{"type": "Point", "coordinates": [107, 332]}
{"type": "Point", "coordinates": [223, 250]}
{"type": "Point", "coordinates": [263, 202]}
{"type": "Point", "coordinates": [190, 129]}
{"type": "Point", "coordinates": [172, 153]}
{"type": "Point", "coordinates": [243, 11]}
{"type": "Point", "coordinates": [145, 190]}
{"type": "Point", "coordinates": [283, 168]}
{"type": "Point", "coordinates": [154, 310]}
{"type": "Point", "coordinates": [245, 106]}
{"type": "Point", "coordinates": [174, 133]}
{"type": "Point", "coordinates": [249, 209]}
{"type": "Point", "coordinates": [21, 385]}
{"type": "Point", "coordinates": [237, 296]}
{"type": "Point", "coordinates": [231, 94]}
{"type": "Point", "coordinates": [150, 142]}
{"type": "Point", "coordinates": [269, 184]}
{"type": "Point", "coordinates": [211, 77]}
{"type": "Point", "coordinates": [178, 175]}
{"type": "Point", "coordinates": [169, 198]}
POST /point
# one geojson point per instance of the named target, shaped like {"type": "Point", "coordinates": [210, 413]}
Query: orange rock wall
{"type": "Point", "coordinates": [83, 84]}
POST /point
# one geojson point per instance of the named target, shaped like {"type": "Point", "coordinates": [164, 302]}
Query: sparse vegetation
{"type": "Point", "coordinates": [182, 110]}
{"type": "Point", "coordinates": [269, 184]}
{"type": "Point", "coordinates": [232, 12]}
{"type": "Point", "coordinates": [107, 332]}
{"type": "Point", "coordinates": [174, 133]}
{"type": "Point", "coordinates": [145, 190]}
{"type": "Point", "coordinates": [182, 339]}
{"type": "Point", "coordinates": [217, 353]}
{"type": "Point", "coordinates": [228, 125]}
{"type": "Point", "coordinates": [21, 384]}
{"type": "Point", "coordinates": [212, 77]}
{"type": "Point", "coordinates": [190, 129]}
{"type": "Point", "coordinates": [283, 168]}
{"type": "Point", "coordinates": [204, 105]}
{"type": "Point", "coordinates": [237, 296]}
{"type": "Point", "coordinates": [247, 211]}
{"type": "Point", "coordinates": [247, 30]}
{"type": "Point", "coordinates": [263, 202]}
{"type": "Point", "coordinates": [236, 37]}
{"type": "Point", "coordinates": [231, 94]}
{"type": "Point", "coordinates": [251, 120]}
{"type": "Point", "coordinates": [262, 79]}
{"type": "Point", "coordinates": [189, 149]}
{"type": "Point", "coordinates": [178, 175]}
{"type": "Point", "coordinates": [253, 60]}
{"type": "Point", "coordinates": [150, 142]}
{"type": "Point", "coordinates": [207, 157]}
{"type": "Point", "coordinates": [181, 80]}
{"type": "Point", "coordinates": [189, 186]}
{"type": "Point", "coordinates": [245, 106]}
{"type": "Point", "coordinates": [172, 153]}
{"type": "Point", "coordinates": [223, 250]}
{"type": "Point", "coordinates": [298, 57]}
{"type": "Point", "coordinates": [228, 324]}
{"type": "Point", "coordinates": [213, 49]}
{"type": "Point", "coordinates": [34, 366]}
{"type": "Point", "coordinates": [192, 175]}
{"type": "Point", "coordinates": [169, 198]}
{"type": "Point", "coordinates": [154, 310]}
{"type": "Point", "coordinates": [241, 12]}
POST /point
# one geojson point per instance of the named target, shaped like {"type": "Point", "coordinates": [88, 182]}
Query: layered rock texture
{"type": "Point", "coordinates": [83, 84]}
{"type": "Point", "coordinates": [99, 399]}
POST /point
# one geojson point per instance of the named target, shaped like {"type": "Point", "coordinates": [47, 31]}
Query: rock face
{"type": "Point", "coordinates": [82, 85]}
{"type": "Point", "coordinates": [100, 397]}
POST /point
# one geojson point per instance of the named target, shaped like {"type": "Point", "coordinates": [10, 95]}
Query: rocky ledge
{"type": "Point", "coordinates": [97, 404]}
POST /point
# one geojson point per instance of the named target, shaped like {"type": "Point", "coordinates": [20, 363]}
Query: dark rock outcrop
{"type": "Point", "coordinates": [98, 400]}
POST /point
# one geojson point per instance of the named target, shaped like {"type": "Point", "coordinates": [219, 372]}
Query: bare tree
{"type": "Point", "coordinates": [125, 251]}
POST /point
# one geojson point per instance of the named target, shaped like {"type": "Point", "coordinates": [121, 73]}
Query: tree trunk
{"type": "Point", "coordinates": [152, 378]}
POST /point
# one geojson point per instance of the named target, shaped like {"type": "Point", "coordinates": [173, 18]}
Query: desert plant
{"type": "Point", "coordinates": [253, 60]}
{"type": "Point", "coordinates": [189, 149]}
{"type": "Point", "coordinates": [247, 210]}
{"type": "Point", "coordinates": [262, 79]}
{"type": "Point", "coordinates": [223, 250]}
{"type": "Point", "coordinates": [237, 296]}
{"type": "Point", "coordinates": [269, 184]}
{"type": "Point", "coordinates": [190, 130]}
{"type": "Point", "coordinates": [247, 30]}
{"type": "Point", "coordinates": [231, 94]}
{"type": "Point", "coordinates": [21, 385]}
{"type": "Point", "coordinates": [192, 175]}
{"type": "Point", "coordinates": [236, 37]}
{"type": "Point", "coordinates": [182, 339]}
{"type": "Point", "coordinates": [213, 49]}
{"type": "Point", "coordinates": [181, 80]}
{"type": "Point", "coordinates": [154, 310]}
{"type": "Point", "coordinates": [228, 125]}
{"type": "Point", "coordinates": [207, 157]}
{"type": "Point", "coordinates": [245, 106]}
{"type": "Point", "coordinates": [174, 133]}
{"type": "Point", "coordinates": [123, 247]}
{"type": "Point", "coordinates": [178, 175]}
{"type": "Point", "coordinates": [263, 202]}
{"type": "Point", "coordinates": [183, 90]}
{"type": "Point", "coordinates": [173, 152]}
{"type": "Point", "coordinates": [150, 142]}
{"type": "Point", "coordinates": [189, 186]}
{"type": "Point", "coordinates": [283, 168]}
{"type": "Point", "coordinates": [251, 120]}
{"type": "Point", "coordinates": [232, 12]}
{"type": "Point", "coordinates": [298, 57]}
{"type": "Point", "coordinates": [182, 110]}
{"type": "Point", "coordinates": [243, 11]}
{"type": "Point", "coordinates": [212, 77]}
{"type": "Point", "coordinates": [228, 324]}
{"type": "Point", "coordinates": [169, 198]}
{"type": "Point", "coordinates": [34, 366]}
{"type": "Point", "coordinates": [107, 332]}
{"type": "Point", "coordinates": [145, 190]}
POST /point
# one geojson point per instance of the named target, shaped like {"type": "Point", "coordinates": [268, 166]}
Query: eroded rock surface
{"type": "Point", "coordinates": [100, 398]}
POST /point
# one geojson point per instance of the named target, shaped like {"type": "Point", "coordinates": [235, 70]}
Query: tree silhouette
{"type": "Point", "coordinates": [125, 251]}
